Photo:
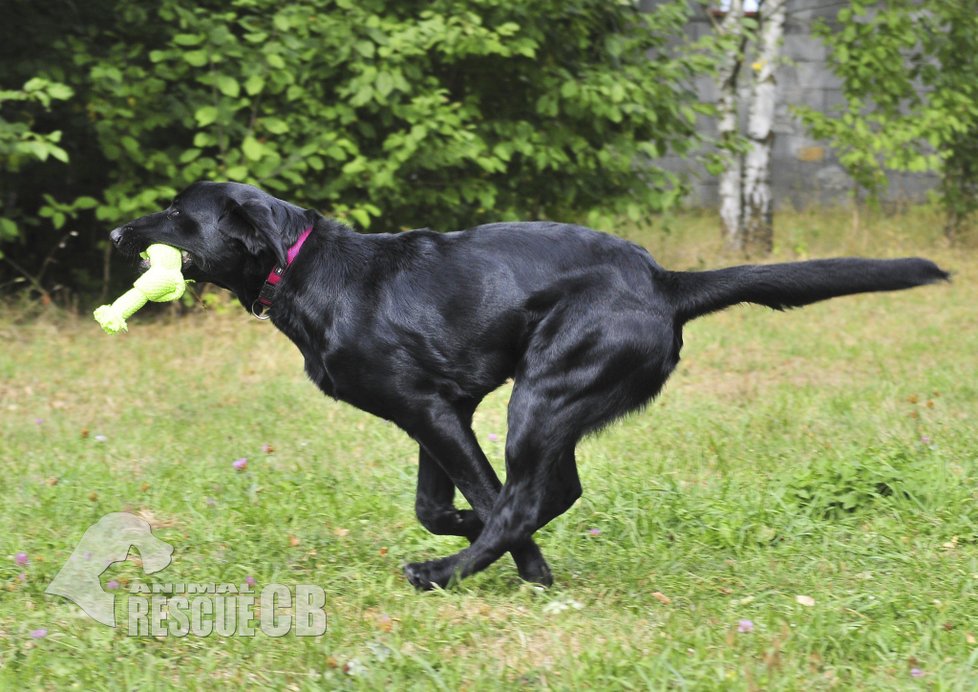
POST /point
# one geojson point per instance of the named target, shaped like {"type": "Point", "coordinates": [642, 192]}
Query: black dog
{"type": "Point", "coordinates": [418, 327]}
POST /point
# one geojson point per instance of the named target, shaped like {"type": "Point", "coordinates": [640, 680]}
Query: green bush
{"type": "Point", "coordinates": [390, 114]}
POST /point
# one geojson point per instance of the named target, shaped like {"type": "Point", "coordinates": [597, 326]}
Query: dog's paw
{"type": "Point", "coordinates": [425, 576]}
{"type": "Point", "coordinates": [537, 572]}
{"type": "Point", "coordinates": [531, 565]}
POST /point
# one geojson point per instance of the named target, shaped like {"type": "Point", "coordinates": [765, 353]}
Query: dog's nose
{"type": "Point", "coordinates": [116, 235]}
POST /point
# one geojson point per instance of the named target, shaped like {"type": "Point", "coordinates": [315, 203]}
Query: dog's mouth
{"type": "Point", "coordinates": [188, 261]}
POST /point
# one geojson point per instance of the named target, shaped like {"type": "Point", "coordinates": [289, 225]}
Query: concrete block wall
{"type": "Point", "coordinates": [804, 172]}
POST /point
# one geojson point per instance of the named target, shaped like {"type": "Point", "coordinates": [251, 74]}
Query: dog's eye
{"type": "Point", "coordinates": [174, 213]}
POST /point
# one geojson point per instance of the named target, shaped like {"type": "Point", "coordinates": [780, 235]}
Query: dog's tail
{"type": "Point", "coordinates": [793, 284]}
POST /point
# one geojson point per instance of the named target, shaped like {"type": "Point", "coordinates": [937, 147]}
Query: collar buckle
{"type": "Point", "coordinates": [260, 310]}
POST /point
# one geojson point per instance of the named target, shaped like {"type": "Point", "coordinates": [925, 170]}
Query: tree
{"type": "Point", "coordinates": [390, 114]}
{"type": "Point", "coordinates": [908, 71]}
{"type": "Point", "coordinates": [758, 206]}
{"type": "Point", "coordinates": [746, 203]}
{"type": "Point", "coordinates": [733, 34]}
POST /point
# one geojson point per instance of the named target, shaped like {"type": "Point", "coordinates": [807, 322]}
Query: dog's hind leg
{"type": "Point", "coordinates": [562, 490]}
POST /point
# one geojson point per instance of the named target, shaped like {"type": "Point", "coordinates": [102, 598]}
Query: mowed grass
{"type": "Point", "coordinates": [812, 472]}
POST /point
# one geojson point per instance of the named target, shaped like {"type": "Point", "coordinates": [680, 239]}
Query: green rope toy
{"type": "Point", "coordinates": [162, 282]}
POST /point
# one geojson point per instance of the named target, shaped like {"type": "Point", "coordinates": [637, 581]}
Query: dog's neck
{"type": "Point", "coordinates": [267, 293]}
{"type": "Point", "coordinates": [329, 240]}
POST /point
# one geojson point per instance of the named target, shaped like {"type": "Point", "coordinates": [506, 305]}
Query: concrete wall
{"type": "Point", "coordinates": [804, 172]}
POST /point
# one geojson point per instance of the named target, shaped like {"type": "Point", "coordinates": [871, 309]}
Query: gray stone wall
{"type": "Point", "coordinates": [804, 172]}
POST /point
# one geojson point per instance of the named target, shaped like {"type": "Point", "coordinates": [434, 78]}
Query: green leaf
{"type": "Point", "coordinates": [188, 39]}
{"type": "Point", "coordinates": [58, 153]}
{"type": "Point", "coordinates": [189, 155]}
{"type": "Point", "coordinates": [355, 166]}
{"type": "Point", "coordinates": [237, 172]}
{"type": "Point", "coordinates": [206, 115]}
{"type": "Point", "coordinates": [254, 84]}
{"type": "Point", "coordinates": [384, 84]}
{"type": "Point", "coordinates": [8, 229]}
{"type": "Point", "coordinates": [362, 96]}
{"type": "Point", "coordinates": [228, 85]}
{"type": "Point", "coordinates": [252, 148]}
{"type": "Point", "coordinates": [361, 217]}
{"type": "Point", "coordinates": [60, 91]}
{"type": "Point", "coordinates": [130, 144]}
{"type": "Point", "coordinates": [276, 61]}
{"type": "Point", "coordinates": [276, 126]}
{"type": "Point", "coordinates": [196, 58]}
{"type": "Point", "coordinates": [508, 29]}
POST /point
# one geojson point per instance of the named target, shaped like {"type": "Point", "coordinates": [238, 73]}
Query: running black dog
{"type": "Point", "coordinates": [418, 327]}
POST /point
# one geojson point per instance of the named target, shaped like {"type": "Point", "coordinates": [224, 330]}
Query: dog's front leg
{"type": "Point", "coordinates": [449, 440]}
{"type": "Point", "coordinates": [434, 504]}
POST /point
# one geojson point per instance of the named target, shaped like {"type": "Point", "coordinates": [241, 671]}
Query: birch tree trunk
{"type": "Point", "coordinates": [731, 29]}
{"type": "Point", "coordinates": [757, 202]}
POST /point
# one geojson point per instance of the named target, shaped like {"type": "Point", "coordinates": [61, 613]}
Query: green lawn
{"type": "Point", "coordinates": [812, 472]}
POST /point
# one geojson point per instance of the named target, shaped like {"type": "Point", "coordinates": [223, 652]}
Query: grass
{"type": "Point", "coordinates": [813, 472]}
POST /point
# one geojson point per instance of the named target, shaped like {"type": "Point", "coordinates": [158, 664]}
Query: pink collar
{"type": "Point", "coordinates": [275, 275]}
{"type": "Point", "coordinates": [264, 301]}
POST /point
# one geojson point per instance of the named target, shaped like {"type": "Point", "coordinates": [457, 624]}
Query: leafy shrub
{"type": "Point", "coordinates": [19, 143]}
{"type": "Point", "coordinates": [910, 96]}
{"type": "Point", "coordinates": [391, 114]}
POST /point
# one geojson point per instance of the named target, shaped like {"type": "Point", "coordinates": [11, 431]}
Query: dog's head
{"type": "Point", "coordinates": [231, 234]}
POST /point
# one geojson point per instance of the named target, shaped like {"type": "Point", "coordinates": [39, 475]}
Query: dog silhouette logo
{"type": "Point", "coordinates": [105, 543]}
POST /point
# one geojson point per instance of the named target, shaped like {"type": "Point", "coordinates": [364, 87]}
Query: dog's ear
{"type": "Point", "coordinates": [255, 225]}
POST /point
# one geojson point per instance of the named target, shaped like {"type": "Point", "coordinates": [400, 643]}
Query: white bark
{"type": "Point", "coordinates": [732, 27]}
{"type": "Point", "coordinates": [757, 202]}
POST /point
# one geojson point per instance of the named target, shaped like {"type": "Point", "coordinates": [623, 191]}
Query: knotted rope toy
{"type": "Point", "coordinates": [162, 282]}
